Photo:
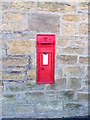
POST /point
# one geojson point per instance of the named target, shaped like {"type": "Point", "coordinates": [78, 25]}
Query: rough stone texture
{"type": "Point", "coordinates": [13, 16]}
{"type": "Point", "coordinates": [77, 43]}
{"type": "Point", "coordinates": [31, 74]}
{"type": "Point", "coordinates": [75, 71]}
{"type": "Point", "coordinates": [83, 28]}
{"type": "Point", "coordinates": [66, 59]}
{"type": "Point", "coordinates": [15, 61]}
{"type": "Point", "coordinates": [23, 5]}
{"type": "Point", "coordinates": [37, 20]}
{"type": "Point", "coordinates": [82, 96]}
{"type": "Point", "coordinates": [55, 7]}
{"type": "Point", "coordinates": [13, 26]}
{"type": "Point", "coordinates": [83, 60]}
{"type": "Point", "coordinates": [19, 23]}
{"type": "Point", "coordinates": [68, 29]}
{"type": "Point", "coordinates": [74, 83]}
{"type": "Point", "coordinates": [19, 47]}
{"type": "Point", "coordinates": [72, 17]}
{"type": "Point", "coordinates": [13, 76]}
{"type": "Point", "coordinates": [83, 6]}
{"type": "Point", "coordinates": [70, 50]}
{"type": "Point", "coordinates": [62, 41]}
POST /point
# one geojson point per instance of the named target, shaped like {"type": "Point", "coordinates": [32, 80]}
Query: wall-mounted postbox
{"type": "Point", "coordinates": [45, 58]}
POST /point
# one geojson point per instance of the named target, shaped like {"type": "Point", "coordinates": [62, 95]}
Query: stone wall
{"type": "Point", "coordinates": [20, 21]}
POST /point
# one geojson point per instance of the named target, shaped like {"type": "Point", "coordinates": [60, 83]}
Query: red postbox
{"type": "Point", "coordinates": [45, 44]}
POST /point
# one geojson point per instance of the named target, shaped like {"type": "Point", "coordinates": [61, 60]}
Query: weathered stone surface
{"type": "Point", "coordinates": [49, 106]}
{"type": "Point", "coordinates": [77, 43]}
{"type": "Point", "coordinates": [44, 23]}
{"type": "Point", "coordinates": [13, 76]}
{"type": "Point", "coordinates": [24, 109]}
{"type": "Point", "coordinates": [77, 38]}
{"type": "Point", "coordinates": [60, 83]}
{"type": "Point", "coordinates": [66, 59]}
{"type": "Point", "coordinates": [13, 26]}
{"type": "Point", "coordinates": [83, 28]}
{"type": "Point", "coordinates": [68, 29]}
{"type": "Point", "coordinates": [9, 98]}
{"type": "Point", "coordinates": [74, 83]}
{"type": "Point", "coordinates": [15, 86]}
{"type": "Point", "coordinates": [13, 16]}
{"type": "Point", "coordinates": [4, 5]}
{"type": "Point", "coordinates": [70, 50]}
{"type": "Point", "coordinates": [31, 74]}
{"type": "Point", "coordinates": [35, 96]}
{"type": "Point", "coordinates": [72, 106]}
{"type": "Point", "coordinates": [50, 95]}
{"type": "Point", "coordinates": [73, 17]}
{"type": "Point", "coordinates": [74, 71]}
{"type": "Point", "coordinates": [83, 60]}
{"type": "Point", "coordinates": [66, 95]}
{"type": "Point", "coordinates": [21, 22]}
{"type": "Point", "coordinates": [62, 41]}
{"type": "Point", "coordinates": [23, 5]}
{"type": "Point", "coordinates": [83, 6]}
{"type": "Point", "coordinates": [15, 61]}
{"type": "Point", "coordinates": [19, 47]}
{"type": "Point", "coordinates": [55, 7]}
{"type": "Point", "coordinates": [82, 96]}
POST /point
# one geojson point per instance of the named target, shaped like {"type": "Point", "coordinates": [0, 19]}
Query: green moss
{"type": "Point", "coordinates": [9, 96]}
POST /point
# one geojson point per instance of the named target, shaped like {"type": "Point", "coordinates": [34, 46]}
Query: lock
{"type": "Point", "coordinates": [45, 44]}
{"type": "Point", "coordinates": [42, 68]}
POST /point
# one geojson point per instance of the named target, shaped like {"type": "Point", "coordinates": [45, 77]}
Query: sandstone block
{"type": "Point", "coordinates": [19, 47]}
{"type": "Point", "coordinates": [73, 17]}
{"type": "Point", "coordinates": [4, 5]}
{"type": "Point", "coordinates": [82, 96]}
{"type": "Point", "coordinates": [34, 96]}
{"type": "Point", "coordinates": [55, 7]}
{"type": "Point", "coordinates": [49, 106]}
{"type": "Point", "coordinates": [15, 61]}
{"type": "Point", "coordinates": [60, 83]}
{"type": "Point", "coordinates": [24, 109]}
{"type": "Point", "coordinates": [15, 86]}
{"type": "Point", "coordinates": [66, 59]}
{"type": "Point", "coordinates": [77, 38]}
{"type": "Point", "coordinates": [77, 43]}
{"type": "Point", "coordinates": [13, 76]}
{"type": "Point", "coordinates": [74, 71]}
{"type": "Point", "coordinates": [74, 83]}
{"type": "Point", "coordinates": [13, 16]}
{"type": "Point", "coordinates": [31, 74]}
{"type": "Point", "coordinates": [83, 28]}
{"type": "Point", "coordinates": [44, 22]}
{"type": "Point", "coordinates": [83, 60]}
{"type": "Point", "coordinates": [70, 50]}
{"type": "Point", "coordinates": [68, 29]}
{"type": "Point", "coordinates": [62, 41]}
{"type": "Point", "coordinates": [23, 5]}
{"type": "Point", "coordinates": [83, 6]}
{"type": "Point", "coordinates": [13, 26]}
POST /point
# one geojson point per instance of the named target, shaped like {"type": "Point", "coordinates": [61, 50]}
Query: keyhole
{"type": "Point", "coordinates": [42, 68]}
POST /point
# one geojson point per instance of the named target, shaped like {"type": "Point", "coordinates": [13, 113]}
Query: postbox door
{"type": "Point", "coordinates": [45, 67]}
